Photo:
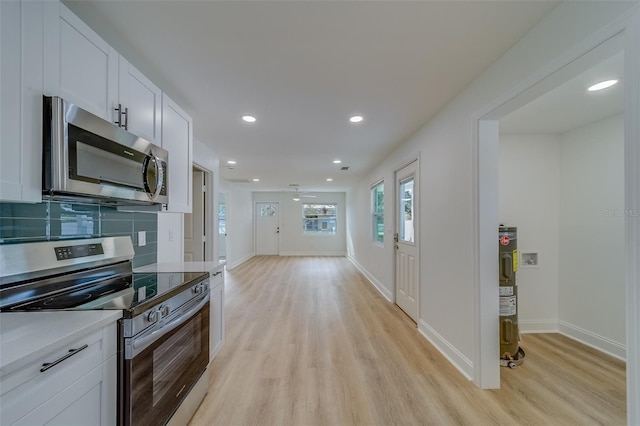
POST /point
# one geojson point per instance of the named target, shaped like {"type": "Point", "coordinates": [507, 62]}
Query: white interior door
{"type": "Point", "coordinates": [194, 223]}
{"type": "Point", "coordinates": [406, 246]}
{"type": "Point", "coordinates": [267, 228]}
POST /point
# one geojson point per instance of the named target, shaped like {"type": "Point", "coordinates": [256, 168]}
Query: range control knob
{"type": "Point", "coordinates": [165, 309]}
{"type": "Point", "coordinates": [152, 316]}
{"type": "Point", "coordinates": [197, 289]}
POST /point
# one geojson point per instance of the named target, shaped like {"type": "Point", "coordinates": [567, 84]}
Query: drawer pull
{"type": "Point", "coordinates": [217, 273]}
{"type": "Point", "coordinates": [72, 352]}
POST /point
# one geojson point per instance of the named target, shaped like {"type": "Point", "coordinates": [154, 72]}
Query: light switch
{"type": "Point", "coordinates": [142, 238]}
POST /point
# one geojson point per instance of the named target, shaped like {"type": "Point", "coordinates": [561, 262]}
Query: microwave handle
{"type": "Point", "coordinates": [159, 176]}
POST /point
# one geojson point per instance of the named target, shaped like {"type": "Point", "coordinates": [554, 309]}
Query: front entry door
{"type": "Point", "coordinates": [406, 246]}
{"type": "Point", "coordinates": [267, 229]}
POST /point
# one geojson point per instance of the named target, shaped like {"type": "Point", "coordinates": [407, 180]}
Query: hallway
{"type": "Point", "coordinates": [310, 341]}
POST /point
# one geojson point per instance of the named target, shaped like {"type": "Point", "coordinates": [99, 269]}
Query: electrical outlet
{"type": "Point", "coordinates": [142, 238]}
{"type": "Point", "coordinates": [170, 234]}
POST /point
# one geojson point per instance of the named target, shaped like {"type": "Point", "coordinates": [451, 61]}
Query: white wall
{"type": "Point", "coordinates": [592, 240]}
{"type": "Point", "coordinates": [171, 225]}
{"type": "Point", "coordinates": [566, 195]}
{"type": "Point", "coordinates": [293, 241]}
{"type": "Point", "coordinates": [207, 159]}
{"type": "Point", "coordinates": [448, 179]}
{"type": "Point", "coordinates": [375, 260]}
{"type": "Point", "coordinates": [239, 223]}
{"type": "Point", "coordinates": [170, 237]}
{"type": "Point", "coordinates": [530, 199]}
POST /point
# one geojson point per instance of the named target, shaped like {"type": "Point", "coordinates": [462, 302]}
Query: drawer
{"type": "Point", "coordinates": [25, 389]}
{"type": "Point", "coordinates": [216, 277]}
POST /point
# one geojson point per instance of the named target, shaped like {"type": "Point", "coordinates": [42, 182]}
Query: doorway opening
{"type": "Point", "coordinates": [198, 241]}
{"type": "Point", "coordinates": [565, 162]}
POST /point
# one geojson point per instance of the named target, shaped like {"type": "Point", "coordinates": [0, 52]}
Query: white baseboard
{"type": "Point", "coordinates": [386, 293]}
{"type": "Point", "coordinates": [538, 326]}
{"type": "Point", "coordinates": [237, 263]}
{"type": "Point", "coordinates": [313, 253]}
{"type": "Point", "coordinates": [603, 344]}
{"type": "Point", "coordinates": [454, 356]}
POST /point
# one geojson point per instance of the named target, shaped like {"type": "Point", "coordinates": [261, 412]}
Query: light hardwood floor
{"type": "Point", "coordinates": [310, 342]}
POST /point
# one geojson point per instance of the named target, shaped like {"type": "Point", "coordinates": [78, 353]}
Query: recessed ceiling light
{"type": "Point", "coordinates": [356, 119]}
{"type": "Point", "coordinates": [602, 85]}
{"type": "Point", "coordinates": [296, 199]}
{"type": "Point", "coordinates": [256, 180]}
{"type": "Point", "coordinates": [337, 161]}
{"type": "Point", "coordinates": [231, 162]}
{"type": "Point", "coordinates": [329, 180]}
{"type": "Point", "coordinates": [249, 118]}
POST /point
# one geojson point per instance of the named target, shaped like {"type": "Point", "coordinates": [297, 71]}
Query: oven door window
{"type": "Point", "coordinates": [95, 159]}
{"type": "Point", "coordinates": [163, 374]}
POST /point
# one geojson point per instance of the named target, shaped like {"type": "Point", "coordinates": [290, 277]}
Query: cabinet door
{"type": "Point", "coordinates": [142, 100]}
{"type": "Point", "coordinates": [80, 66]}
{"type": "Point", "coordinates": [21, 66]}
{"type": "Point", "coordinates": [216, 326]}
{"type": "Point", "coordinates": [78, 404]}
{"type": "Point", "coordinates": [177, 138]}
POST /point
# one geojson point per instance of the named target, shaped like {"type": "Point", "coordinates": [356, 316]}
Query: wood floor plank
{"type": "Point", "coordinates": [310, 342]}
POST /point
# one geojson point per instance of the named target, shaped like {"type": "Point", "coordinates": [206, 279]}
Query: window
{"type": "Point", "coordinates": [377, 212]}
{"type": "Point", "coordinates": [319, 218]}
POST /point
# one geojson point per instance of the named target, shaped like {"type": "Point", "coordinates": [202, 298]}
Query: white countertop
{"type": "Point", "coordinates": [181, 267]}
{"type": "Point", "coordinates": [26, 336]}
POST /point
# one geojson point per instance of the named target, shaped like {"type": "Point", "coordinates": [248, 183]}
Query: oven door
{"type": "Point", "coordinates": [162, 366]}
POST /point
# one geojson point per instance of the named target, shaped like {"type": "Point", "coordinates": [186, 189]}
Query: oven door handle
{"type": "Point", "coordinates": [142, 342]}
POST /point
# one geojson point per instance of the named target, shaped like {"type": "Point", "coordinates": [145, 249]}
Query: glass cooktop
{"type": "Point", "coordinates": [132, 292]}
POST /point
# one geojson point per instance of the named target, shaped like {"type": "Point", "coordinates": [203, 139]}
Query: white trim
{"type": "Point", "coordinates": [210, 199]}
{"type": "Point", "coordinates": [237, 263]}
{"type": "Point", "coordinates": [449, 351]}
{"type": "Point", "coordinates": [314, 253]}
{"type": "Point", "coordinates": [538, 326]}
{"type": "Point", "coordinates": [386, 293]}
{"type": "Point", "coordinates": [485, 194]}
{"type": "Point", "coordinates": [632, 225]}
{"type": "Point", "coordinates": [593, 340]}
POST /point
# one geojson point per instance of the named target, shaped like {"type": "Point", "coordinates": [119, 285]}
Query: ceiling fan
{"type": "Point", "coordinates": [297, 195]}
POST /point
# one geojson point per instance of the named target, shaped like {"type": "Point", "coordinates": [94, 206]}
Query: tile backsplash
{"type": "Point", "coordinates": [53, 220]}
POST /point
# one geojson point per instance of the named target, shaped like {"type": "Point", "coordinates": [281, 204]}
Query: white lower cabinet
{"type": "Point", "coordinates": [78, 390]}
{"type": "Point", "coordinates": [216, 336]}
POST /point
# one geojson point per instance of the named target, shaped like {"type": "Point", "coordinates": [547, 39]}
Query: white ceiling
{"type": "Point", "coordinates": [303, 67]}
{"type": "Point", "coordinates": [570, 106]}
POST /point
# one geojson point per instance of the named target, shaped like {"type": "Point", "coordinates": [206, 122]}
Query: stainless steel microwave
{"type": "Point", "coordinates": [86, 156]}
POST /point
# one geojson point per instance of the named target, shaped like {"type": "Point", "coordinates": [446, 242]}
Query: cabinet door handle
{"type": "Point", "coordinates": [126, 118]}
{"type": "Point", "coordinates": [72, 352]}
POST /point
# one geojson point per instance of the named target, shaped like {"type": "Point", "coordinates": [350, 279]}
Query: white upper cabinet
{"type": "Point", "coordinates": [83, 69]}
{"type": "Point", "coordinates": [177, 138]}
{"type": "Point", "coordinates": [80, 66]}
{"type": "Point", "coordinates": [21, 50]}
{"type": "Point", "coordinates": [140, 102]}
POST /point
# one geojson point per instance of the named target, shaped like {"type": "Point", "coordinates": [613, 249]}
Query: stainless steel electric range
{"type": "Point", "coordinates": [163, 337]}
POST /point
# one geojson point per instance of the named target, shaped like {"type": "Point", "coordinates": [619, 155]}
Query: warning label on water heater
{"type": "Point", "coordinates": [506, 290]}
{"type": "Point", "coordinates": [507, 306]}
